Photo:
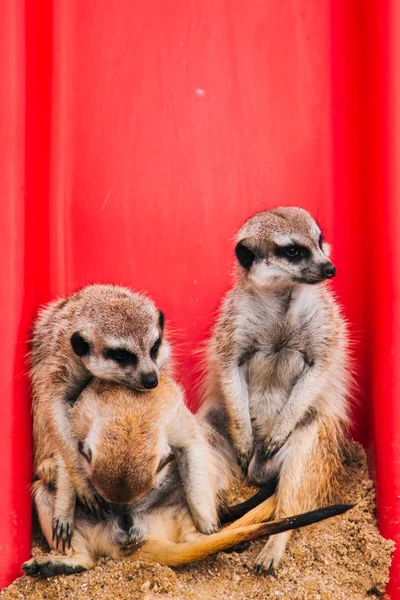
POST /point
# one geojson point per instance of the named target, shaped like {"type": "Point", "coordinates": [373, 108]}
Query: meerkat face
{"type": "Point", "coordinates": [282, 247]}
{"type": "Point", "coordinates": [124, 453]}
{"type": "Point", "coordinates": [122, 341]}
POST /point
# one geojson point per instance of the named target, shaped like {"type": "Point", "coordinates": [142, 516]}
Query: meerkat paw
{"type": "Point", "coordinates": [206, 525]}
{"type": "Point", "coordinates": [62, 530]}
{"type": "Point", "coordinates": [270, 556]}
{"type": "Point", "coordinates": [49, 566]}
{"type": "Point", "coordinates": [131, 535]}
{"type": "Point", "coordinates": [244, 453]}
{"type": "Point", "coordinates": [47, 471]}
{"type": "Point", "coordinates": [261, 472]}
{"type": "Point", "coordinates": [272, 445]}
{"type": "Point", "coordinates": [92, 502]}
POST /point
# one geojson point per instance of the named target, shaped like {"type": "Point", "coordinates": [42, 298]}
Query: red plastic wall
{"type": "Point", "coordinates": [136, 137]}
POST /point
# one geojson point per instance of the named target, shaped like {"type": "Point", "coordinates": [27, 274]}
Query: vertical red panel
{"type": "Point", "coordinates": [350, 216]}
{"type": "Point", "coordinates": [15, 299]}
{"type": "Point", "coordinates": [382, 89]}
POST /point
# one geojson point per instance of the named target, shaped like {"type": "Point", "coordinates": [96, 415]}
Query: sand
{"type": "Point", "coordinates": [344, 557]}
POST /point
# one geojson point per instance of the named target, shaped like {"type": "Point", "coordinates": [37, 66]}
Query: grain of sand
{"type": "Point", "coordinates": [342, 558]}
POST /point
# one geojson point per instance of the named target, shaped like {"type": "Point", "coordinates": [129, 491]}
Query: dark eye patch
{"type": "Point", "coordinates": [244, 255]}
{"type": "Point", "coordinates": [155, 348]}
{"type": "Point", "coordinates": [320, 241]}
{"type": "Point", "coordinates": [293, 252]}
{"type": "Point", "coordinates": [121, 356]}
{"type": "Point", "coordinates": [79, 345]}
{"type": "Point", "coordinates": [165, 461]}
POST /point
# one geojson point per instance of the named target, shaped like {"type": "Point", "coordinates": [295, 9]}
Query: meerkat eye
{"type": "Point", "coordinates": [155, 348]}
{"type": "Point", "coordinates": [294, 252]}
{"type": "Point", "coordinates": [320, 241]}
{"type": "Point", "coordinates": [85, 451]}
{"type": "Point", "coordinates": [244, 255]}
{"type": "Point", "coordinates": [291, 251]}
{"type": "Point", "coordinates": [121, 356]}
{"type": "Point", "coordinates": [79, 345]}
{"type": "Point", "coordinates": [165, 461]}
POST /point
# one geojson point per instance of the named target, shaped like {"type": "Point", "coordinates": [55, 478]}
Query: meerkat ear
{"type": "Point", "coordinates": [244, 255]}
{"type": "Point", "coordinates": [161, 319]}
{"type": "Point", "coordinates": [79, 345]}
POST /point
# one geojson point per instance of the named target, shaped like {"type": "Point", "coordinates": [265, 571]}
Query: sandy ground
{"type": "Point", "coordinates": [344, 557]}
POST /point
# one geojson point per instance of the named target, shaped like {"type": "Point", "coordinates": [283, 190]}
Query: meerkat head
{"type": "Point", "coordinates": [124, 451]}
{"type": "Point", "coordinates": [121, 339]}
{"type": "Point", "coordinates": [281, 247]}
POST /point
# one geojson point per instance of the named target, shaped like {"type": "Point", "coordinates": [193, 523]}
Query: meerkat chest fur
{"type": "Point", "coordinates": [280, 335]}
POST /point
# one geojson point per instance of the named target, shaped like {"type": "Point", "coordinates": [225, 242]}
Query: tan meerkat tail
{"type": "Point", "coordinates": [174, 555]}
{"type": "Point", "coordinates": [232, 513]}
{"type": "Point", "coordinates": [263, 512]}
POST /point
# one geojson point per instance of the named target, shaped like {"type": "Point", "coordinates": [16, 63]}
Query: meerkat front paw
{"type": "Point", "coordinates": [47, 471]}
{"type": "Point", "coordinates": [244, 452]}
{"type": "Point", "coordinates": [131, 534]}
{"type": "Point", "coordinates": [207, 527]}
{"type": "Point", "coordinates": [273, 444]}
{"type": "Point", "coordinates": [63, 528]}
{"type": "Point", "coordinates": [205, 515]}
{"type": "Point", "coordinates": [261, 472]}
{"type": "Point", "coordinates": [92, 501]}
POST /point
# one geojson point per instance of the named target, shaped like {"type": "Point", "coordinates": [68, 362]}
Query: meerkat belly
{"type": "Point", "coordinates": [271, 377]}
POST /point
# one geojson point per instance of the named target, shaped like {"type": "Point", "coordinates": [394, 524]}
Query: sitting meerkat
{"type": "Point", "coordinates": [158, 468]}
{"type": "Point", "coordinates": [278, 366]}
{"type": "Point", "coordinates": [101, 331]}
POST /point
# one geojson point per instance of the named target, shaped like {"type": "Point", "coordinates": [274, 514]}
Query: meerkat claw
{"type": "Point", "coordinates": [62, 532]}
{"type": "Point", "coordinates": [272, 447]}
{"type": "Point", "coordinates": [243, 461]}
{"type": "Point", "coordinates": [271, 570]}
{"type": "Point", "coordinates": [69, 535]}
{"type": "Point", "coordinates": [269, 451]}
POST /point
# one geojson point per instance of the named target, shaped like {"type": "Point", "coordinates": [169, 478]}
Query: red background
{"type": "Point", "coordinates": [136, 138]}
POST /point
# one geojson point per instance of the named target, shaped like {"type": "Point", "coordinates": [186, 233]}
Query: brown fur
{"type": "Point", "coordinates": [104, 316]}
{"type": "Point", "coordinates": [278, 366]}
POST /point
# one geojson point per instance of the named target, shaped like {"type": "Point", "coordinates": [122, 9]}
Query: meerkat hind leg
{"type": "Point", "coordinates": [306, 480]}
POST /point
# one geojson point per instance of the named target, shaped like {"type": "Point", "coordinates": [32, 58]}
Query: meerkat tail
{"type": "Point", "coordinates": [174, 555]}
{"type": "Point", "coordinates": [262, 512]}
{"type": "Point", "coordinates": [232, 513]}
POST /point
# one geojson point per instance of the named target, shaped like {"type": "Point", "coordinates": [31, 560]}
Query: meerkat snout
{"type": "Point", "coordinates": [149, 380]}
{"type": "Point", "coordinates": [329, 270]}
{"type": "Point", "coordinates": [283, 247]}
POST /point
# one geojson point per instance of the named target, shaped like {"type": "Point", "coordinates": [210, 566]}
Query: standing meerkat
{"type": "Point", "coordinates": [278, 365]}
{"type": "Point", "coordinates": [158, 466]}
{"type": "Point", "coordinates": [101, 331]}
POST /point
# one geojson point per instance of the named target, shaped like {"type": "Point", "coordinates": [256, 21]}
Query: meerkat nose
{"type": "Point", "coordinates": [329, 270]}
{"type": "Point", "coordinates": [149, 380]}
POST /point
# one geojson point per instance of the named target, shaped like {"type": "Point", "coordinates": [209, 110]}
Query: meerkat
{"type": "Point", "coordinates": [278, 366]}
{"type": "Point", "coordinates": [102, 331]}
{"type": "Point", "coordinates": [159, 469]}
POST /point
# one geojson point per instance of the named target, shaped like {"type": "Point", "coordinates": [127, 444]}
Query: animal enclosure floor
{"type": "Point", "coordinates": [341, 558]}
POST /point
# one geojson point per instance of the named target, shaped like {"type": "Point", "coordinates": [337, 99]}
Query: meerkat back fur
{"type": "Point", "coordinates": [278, 365]}
{"type": "Point", "coordinates": [100, 331]}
